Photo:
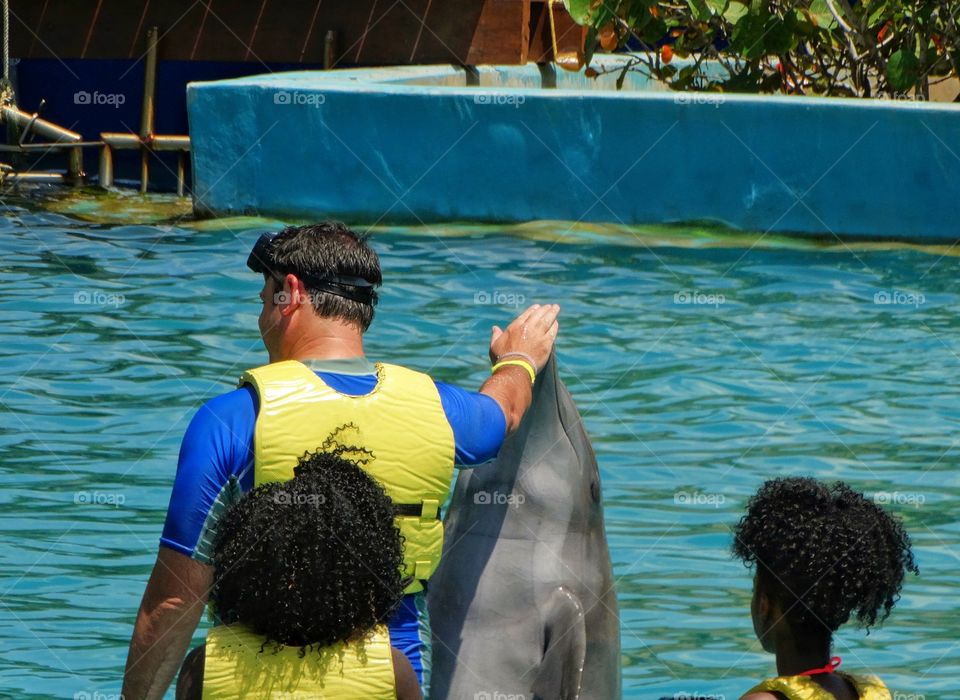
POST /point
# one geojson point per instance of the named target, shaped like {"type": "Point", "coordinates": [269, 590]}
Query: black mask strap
{"type": "Point", "coordinates": [354, 288]}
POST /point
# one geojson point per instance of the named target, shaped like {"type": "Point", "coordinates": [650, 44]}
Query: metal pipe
{"type": "Point", "coordinates": [75, 166]}
{"type": "Point", "coordinates": [144, 170]}
{"type": "Point", "coordinates": [129, 142]}
{"type": "Point", "coordinates": [170, 143]}
{"type": "Point", "coordinates": [53, 178]}
{"type": "Point", "coordinates": [24, 147]}
{"type": "Point", "coordinates": [149, 84]}
{"type": "Point", "coordinates": [157, 143]}
{"type": "Point", "coordinates": [329, 49]}
{"type": "Point", "coordinates": [181, 172]}
{"type": "Point", "coordinates": [121, 141]}
{"type": "Point", "coordinates": [106, 166]}
{"type": "Point", "coordinates": [40, 126]}
{"type": "Point", "coordinates": [146, 117]}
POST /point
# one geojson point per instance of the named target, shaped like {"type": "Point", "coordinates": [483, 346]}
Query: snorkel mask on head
{"type": "Point", "coordinates": [354, 288]}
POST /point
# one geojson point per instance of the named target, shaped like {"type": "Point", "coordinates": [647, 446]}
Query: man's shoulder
{"type": "Point", "coordinates": [236, 399]}
{"type": "Point", "coordinates": [457, 390]}
{"type": "Point", "coordinates": [223, 412]}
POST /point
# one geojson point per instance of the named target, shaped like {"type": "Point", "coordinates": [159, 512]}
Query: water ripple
{"type": "Point", "coordinates": [700, 372]}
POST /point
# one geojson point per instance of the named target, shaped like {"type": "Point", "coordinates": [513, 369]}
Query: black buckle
{"type": "Point", "coordinates": [410, 510]}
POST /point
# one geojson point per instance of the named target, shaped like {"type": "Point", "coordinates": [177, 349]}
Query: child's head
{"type": "Point", "coordinates": [314, 560]}
{"type": "Point", "coordinates": [822, 553]}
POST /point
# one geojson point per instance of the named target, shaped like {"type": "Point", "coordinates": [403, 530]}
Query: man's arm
{"type": "Point", "coordinates": [213, 456]}
{"type": "Point", "coordinates": [169, 612]}
{"type": "Point", "coordinates": [531, 334]}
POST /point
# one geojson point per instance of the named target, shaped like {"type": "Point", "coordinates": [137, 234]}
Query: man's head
{"type": "Point", "coordinates": [316, 278]}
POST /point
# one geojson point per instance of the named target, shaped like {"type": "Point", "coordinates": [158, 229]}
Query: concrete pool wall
{"type": "Point", "coordinates": [421, 144]}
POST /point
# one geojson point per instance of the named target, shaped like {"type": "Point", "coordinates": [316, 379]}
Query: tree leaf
{"type": "Point", "coordinates": [579, 10]}
{"type": "Point", "coordinates": [879, 15]}
{"type": "Point", "coordinates": [654, 30]}
{"type": "Point", "coordinates": [903, 70]}
{"type": "Point", "coordinates": [700, 10]}
{"type": "Point", "coordinates": [748, 35]}
{"type": "Point", "coordinates": [779, 35]}
{"type": "Point", "coordinates": [819, 9]}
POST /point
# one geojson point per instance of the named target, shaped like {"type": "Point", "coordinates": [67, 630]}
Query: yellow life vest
{"type": "Point", "coordinates": [402, 425]}
{"type": "Point", "coordinates": [234, 667]}
{"type": "Point", "coordinates": [805, 688]}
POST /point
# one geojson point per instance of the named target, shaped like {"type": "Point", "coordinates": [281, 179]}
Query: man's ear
{"type": "Point", "coordinates": [288, 297]}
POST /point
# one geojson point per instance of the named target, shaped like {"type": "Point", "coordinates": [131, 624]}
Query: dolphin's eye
{"type": "Point", "coordinates": [595, 490]}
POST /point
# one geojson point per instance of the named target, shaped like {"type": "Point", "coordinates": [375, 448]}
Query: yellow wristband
{"type": "Point", "coordinates": [517, 363]}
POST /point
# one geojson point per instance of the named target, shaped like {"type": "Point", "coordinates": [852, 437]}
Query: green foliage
{"type": "Point", "coordinates": [822, 47]}
{"type": "Point", "coordinates": [903, 70]}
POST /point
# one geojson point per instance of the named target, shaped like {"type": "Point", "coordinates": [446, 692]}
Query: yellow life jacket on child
{"type": "Point", "coordinates": [235, 667]}
{"type": "Point", "coordinates": [805, 688]}
{"type": "Point", "coordinates": [400, 425]}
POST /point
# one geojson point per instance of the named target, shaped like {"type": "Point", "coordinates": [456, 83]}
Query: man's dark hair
{"type": "Point", "coordinates": [326, 250]}
{"type": "Point", "coordinates": [310, 561]}
{"type": "Point", "coordinates": [824, 552]}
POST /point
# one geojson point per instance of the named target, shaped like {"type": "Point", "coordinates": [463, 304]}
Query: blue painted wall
{"type": "Point", "coordinates": [375, 146]}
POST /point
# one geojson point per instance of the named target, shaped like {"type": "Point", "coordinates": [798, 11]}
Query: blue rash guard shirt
{"type": "Point", "coordinates": [215, 469]}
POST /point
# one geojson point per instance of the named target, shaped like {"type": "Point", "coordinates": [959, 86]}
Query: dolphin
{"type": "Point", "coordinates": [523, 605]}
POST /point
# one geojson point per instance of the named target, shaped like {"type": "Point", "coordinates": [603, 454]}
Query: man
{"type": "Point", "coordinates": [319, 390]}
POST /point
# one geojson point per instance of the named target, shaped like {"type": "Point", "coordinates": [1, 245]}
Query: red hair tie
{"type": "Point", "coordinates": [829, 668]}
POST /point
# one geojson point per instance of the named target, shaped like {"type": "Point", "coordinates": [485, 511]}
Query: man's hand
{"type": "Point", "coordinates": [532, 333]}
{"type": "Point", "coordinates": [171, 608]}
{"type": "Point", "coordinates": [530, 337]}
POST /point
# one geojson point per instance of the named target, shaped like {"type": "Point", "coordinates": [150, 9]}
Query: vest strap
{"type": "Point", "coordinates": [427, 510]}
{"type": "Point", "coordinates": [422, 570]}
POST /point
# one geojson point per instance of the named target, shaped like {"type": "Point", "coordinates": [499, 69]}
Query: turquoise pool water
{"type": "Point", "coordinates": [700, 369]}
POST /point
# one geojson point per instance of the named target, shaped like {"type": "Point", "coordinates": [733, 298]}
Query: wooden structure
{"type": "Point", "coordinates": [368, 32]}
{"type": "Point", "coordinates": [73, 52]}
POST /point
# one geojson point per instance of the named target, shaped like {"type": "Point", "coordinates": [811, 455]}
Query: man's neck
{"type": "Point", "coordinates": [327, 347]}
{"type": "Point", "coordinates": [358, 366]}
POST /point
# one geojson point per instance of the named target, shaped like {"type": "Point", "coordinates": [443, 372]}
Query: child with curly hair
{"type": "Point", "coordinates": [822, 553]}
{"type": "Point", "coordinates": [307, 572]}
